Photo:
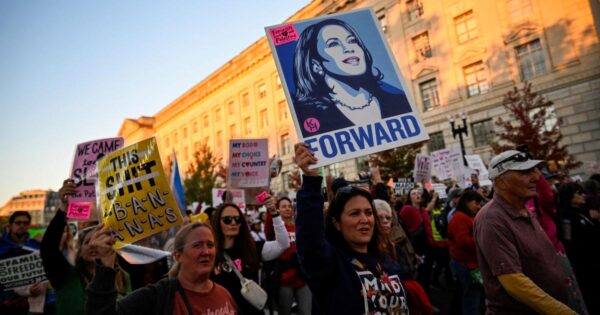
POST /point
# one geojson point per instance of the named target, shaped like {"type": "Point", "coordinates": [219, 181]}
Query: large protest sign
{"type": "Point", "coordinates": [237, 196]}
{"type": "Point", "coordinates": [248, 163]}
{"type": "Point", "coordinates": [21, 271]}
{"type": "Point", "coordinates": [447, 163]}
{"type": "Point", "coordinates": [345, 90]}
{"type": "Point", "coordinates": [475, 162]}
{"type": "Point", "coordinates": [133, 193]}
{"type": "Point", "coordinates": [84, 175]}
{"type": "Point", "coordinates": [422, 170]}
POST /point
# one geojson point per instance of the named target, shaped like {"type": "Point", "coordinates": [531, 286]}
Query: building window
{"type": "Point", "coordinates": [382, 19]}
{"type": "Point", "coordinates": [230, 107]}
{"type": "Point", "coordinates": [262, 91]}
{"type": "Point", "coordinates": [436, 141]}
{"type": "Point", "coordinates": [185, 154]}
{"type": "Point", "coordinates": [429, 94]}
{"type": "Point", "coordinates": [219, 139]}
{"type": "Point", "coordinates": [277, 82]}
{"type": "Point", "coordinates": [184, 132]}
{"type": "Point", "coordinates": [205, 121]}
{"type": "Point", "coordinates": [422, 47]}
{"type": "Point", "coordinates": [476, 79]}
{"type": "Point", "coordinates": [483, 132]}
{"type": "Point", "coordinates": [195, 126]}
{"type": "Point", "coordinates": [285, 180]}
{"type": "Point", "coordinates": [218, 114]}
{"type": "Point", "coordinates": [415, 9]}
{"type": "Point", "coordinates": [167, 142]}
{"type": "Point", "coordinates": [264, 119]}
{"type": "Point", "coordinates": [466, 27]}
{"type": "Point", "coordinates": [519, 10]}
{"type": "Point", "coordinates": [232, 131]}
{"type": "Point", "coordinates": [245, 99]}
{"type": "Point", "coordinates": [283, 110]}
{"type": "Point", "coordinates": [176, 138]}
{"type": "Point", "coordinates": [531, 60]}
{"type": "Point", "coordinates": [247, 126]}
{"type": "Point", "coordinates": [285, 144]}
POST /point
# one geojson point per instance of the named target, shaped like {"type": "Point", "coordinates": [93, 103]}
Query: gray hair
{"type": "Point", "coordinates": [382, 204]}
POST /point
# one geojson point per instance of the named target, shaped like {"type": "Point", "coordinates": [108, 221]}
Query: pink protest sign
{"type": "Point", "coordinates": [248, 163]}
{"type": "Point", "coordinates": [84, 175]}
{"type": "Point", "coordinates": [283, 34]}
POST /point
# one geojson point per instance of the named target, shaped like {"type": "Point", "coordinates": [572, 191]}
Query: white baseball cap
{"type": "Point", "coordinates": [511, 160]}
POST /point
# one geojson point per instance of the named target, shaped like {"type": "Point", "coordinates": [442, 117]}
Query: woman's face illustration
{"type": "Point", "coordinates": [340, 49]}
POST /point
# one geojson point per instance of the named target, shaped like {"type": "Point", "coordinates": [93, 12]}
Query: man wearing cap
{"type": "Point", "coordinates": [520, 270]}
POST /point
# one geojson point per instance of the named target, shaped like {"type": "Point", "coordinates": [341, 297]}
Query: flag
{"type": "Point", "coordinates": [177, 186]}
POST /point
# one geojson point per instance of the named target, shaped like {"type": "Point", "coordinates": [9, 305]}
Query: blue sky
{"type": "Point", "coordinates": [72, 71]}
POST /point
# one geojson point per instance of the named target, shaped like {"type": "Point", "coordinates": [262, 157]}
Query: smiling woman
{"type": "Point", "coordinates": [335, 79]}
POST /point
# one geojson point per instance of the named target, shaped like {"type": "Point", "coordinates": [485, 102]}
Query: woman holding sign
{"type": "Point", "coordinates": [336, 80]}
{"type": "Point", "coordinates": [188, 290]}
{"type": "Point", "coordinates": [346, 256]}
{"type": "Point", "coordinates": [70, 281]}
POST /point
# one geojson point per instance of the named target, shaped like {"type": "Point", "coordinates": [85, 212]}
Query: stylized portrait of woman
{"type": "Point", "coordinates": [337, 85]}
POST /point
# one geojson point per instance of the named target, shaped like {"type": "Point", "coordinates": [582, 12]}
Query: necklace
{"type": "Point", "coordinates": [338, 102]}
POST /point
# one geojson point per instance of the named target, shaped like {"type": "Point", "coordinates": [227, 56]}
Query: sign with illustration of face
{"type": "Point", "coordinates": [134, 197]}
{"type": "Point", "coordinates": [344, 88]}
{"type": "Point", "coordinates": [82, 203]}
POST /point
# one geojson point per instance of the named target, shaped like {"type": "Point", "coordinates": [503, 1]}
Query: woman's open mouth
{"type": "Point", "coordinates": [351, 60]}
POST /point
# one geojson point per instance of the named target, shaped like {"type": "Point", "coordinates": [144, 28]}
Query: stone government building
{"type": "Point", "coordinates": [456, 56]}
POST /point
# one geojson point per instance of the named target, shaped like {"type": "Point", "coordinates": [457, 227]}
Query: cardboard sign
{"type": "Point", "coordinates": [346, 93]}
{"type": "Point", "coordinates": [440, 189]}
{"type": "Point", "coordinates": [248, 163]}
{"type": "Point", "coordinates": [81, 204]}
{"type": "Point", "coordinates": [21, 271]}
{"type": "Point", "coordinates": [237, 196]}
{"type": "Point", "coordinates": [422, 171]}
{"type": "Point", "coordinates": [447, 163]}
{"type": "Point", "coordinates": [475, 162]}
{"type": "Point", "coordinates": [403, 186]}
{"type": "Point", "coordinates": [133, 193]}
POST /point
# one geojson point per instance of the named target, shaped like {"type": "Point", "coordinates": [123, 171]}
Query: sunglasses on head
{"type": "Point", "coordinates": [230, 218]}
{"type": "Point", "coordinates": [519, 157]}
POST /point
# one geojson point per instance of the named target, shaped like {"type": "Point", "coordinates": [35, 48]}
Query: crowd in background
{"type": "Point", "coordinates": [342, 250]}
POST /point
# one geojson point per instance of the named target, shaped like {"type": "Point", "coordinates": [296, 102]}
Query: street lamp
{"type": "Point", "coordinates": [460, 130]}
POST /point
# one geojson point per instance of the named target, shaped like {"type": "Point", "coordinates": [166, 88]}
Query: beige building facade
{"type": "Point", "coordinates": [41, 205]}
{"type": "Point", "coordinates": [456, 56]}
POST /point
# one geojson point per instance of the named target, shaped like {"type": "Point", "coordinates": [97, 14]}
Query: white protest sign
{"type": "Point", "coordinates": [248, 163]}
{"type": "Point", "coordinates": [475, 162]}
{"type": "Point", "coordinates": [341, 121]}
{"type": "Point", "coordinates": [422, 170]}
{"type": "Point", "coordinates": [21, 271]}
{"type": "Point", "coordinates": [440, 189]}
{"type": "Point", "coordinates": [447, 163]}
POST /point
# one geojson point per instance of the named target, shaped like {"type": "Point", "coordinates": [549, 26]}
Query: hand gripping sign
{"type": "Point", "coordinates": [345, 90]}
{"type": "Point", "coordinates": [84, 175]}
{"type": "Point", "coordinates": [134, 196]}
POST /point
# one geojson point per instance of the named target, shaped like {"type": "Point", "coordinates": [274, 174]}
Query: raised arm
{"type": "Point", "coordinates": [56, 265]}
{"type": "Point", "coordinates": [272, 249]}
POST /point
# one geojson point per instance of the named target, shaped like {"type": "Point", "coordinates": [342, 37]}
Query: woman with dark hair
{"type": "Point", "coordinates": [580, 235]}
{"type": "Point", "coordinates": [187, 290]}
{"type": "Point", "coordinates": [233, 238]}
{"type": "Point", "coordinates": [346, 255]}
{"type": "Point", "coordinates": [69, 281]}
{"type": "Point", "coordinates": [335, 79]}
{"type": "Point", "coordinates": [463, 258]}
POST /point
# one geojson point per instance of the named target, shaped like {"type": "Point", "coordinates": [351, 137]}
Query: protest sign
{"type": "Point", "coordinates": [237, 196]}
{"type": "Point", "coordinates": [475, 162]}
{"type": "Point", "coordinates": [248, 163]}
{"type": "Point", "coordinates": [403, 186]}
{"type": "Point", "coordinates": [21, 271]}
{"type": "Point", "coordinates": [340, 120]}
{"type": "Point", "coordinates": [440, 189]}
{"type": "Point", "coordinates": [422, 171]}
{"type": "Point", "coordinates": [84, 175]}
{"type": "Point", "coordinates": [133, 194]}
{"type": "Point", "coordinates": [447, 163]}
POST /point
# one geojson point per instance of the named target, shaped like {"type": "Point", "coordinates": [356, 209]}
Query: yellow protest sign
{"type": "Point", "coordinates": [133, 193]}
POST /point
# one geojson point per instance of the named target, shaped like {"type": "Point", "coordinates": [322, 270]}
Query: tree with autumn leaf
{"type": "Point", "coordinates": [532, 123]}
{"type": "Point", "coordinates": [397, 162]}
{"type": "Point", "coordinates": [202, 175]}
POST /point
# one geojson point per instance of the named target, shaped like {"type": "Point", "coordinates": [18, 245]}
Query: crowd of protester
{"type": "Point", "coordinates": [525, 246]}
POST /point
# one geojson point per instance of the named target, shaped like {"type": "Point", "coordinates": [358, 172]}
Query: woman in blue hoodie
{"type": "Point", "coordinates": [345, 255]}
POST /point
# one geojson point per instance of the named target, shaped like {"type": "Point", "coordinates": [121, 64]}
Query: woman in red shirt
{"type": "Point", "coordinates": [462, 251]}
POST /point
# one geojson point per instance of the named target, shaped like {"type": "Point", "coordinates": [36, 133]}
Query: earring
{"type": "Point", "coordinates": [320, 72]}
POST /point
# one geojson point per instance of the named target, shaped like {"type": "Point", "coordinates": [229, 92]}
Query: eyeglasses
{"type": "Point", "coordinates": [21, 222]}
{"type": "Point", "coordinates": [229, 219]}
